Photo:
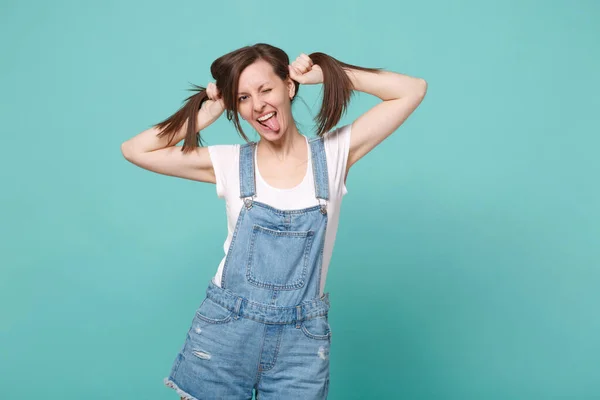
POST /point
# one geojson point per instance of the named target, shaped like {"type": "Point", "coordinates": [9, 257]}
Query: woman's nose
{"type": "Point", "coordinates": [259, 105]}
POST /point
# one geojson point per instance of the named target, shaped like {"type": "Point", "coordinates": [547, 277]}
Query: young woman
{"type": "Point", "coordinates": [263, 325]}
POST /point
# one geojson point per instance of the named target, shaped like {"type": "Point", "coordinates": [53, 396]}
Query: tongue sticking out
{"type": "Point", "coordinates": [272, 123]}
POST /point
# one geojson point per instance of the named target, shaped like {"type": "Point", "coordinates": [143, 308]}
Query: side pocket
{"type": "Point", "coordinates": [213, 313]}
{"type": "Point", "coordinates": [317, 328]}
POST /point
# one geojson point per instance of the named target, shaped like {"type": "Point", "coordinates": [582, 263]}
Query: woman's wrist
{"type": "Point", "coordinates": [210, 111]}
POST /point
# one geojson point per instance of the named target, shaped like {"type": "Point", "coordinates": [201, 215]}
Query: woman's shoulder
{"type": "Point", "coordinates": [223, 151]}
{"type": "Point", "coordinates": [337, 133]}
{"type": "Point", "coordinates": [224, 147]}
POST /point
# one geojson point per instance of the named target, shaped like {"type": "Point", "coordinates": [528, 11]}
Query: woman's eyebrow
{"type": "Point", "coordinates": [259, 88]}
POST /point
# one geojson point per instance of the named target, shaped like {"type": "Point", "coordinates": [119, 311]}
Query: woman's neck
{"type": "Point", "coordinates": [287, 145]}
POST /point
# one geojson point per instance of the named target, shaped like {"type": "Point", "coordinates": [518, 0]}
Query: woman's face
{"type": "Point", "coordinates": [264, 100]}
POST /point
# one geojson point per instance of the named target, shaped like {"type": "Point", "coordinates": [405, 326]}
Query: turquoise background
{"type": "Point", "coordinates": [467, 263]}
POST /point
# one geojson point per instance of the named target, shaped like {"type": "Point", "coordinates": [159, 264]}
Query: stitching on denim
{"type": "Point", "coordinates": [230, 250]}
{"type": "Point", "coordinates": [300, 281]}
{"type": "Point", "coordinates": [212, 320]}
{"type": "Point", "coordinates": [246, 150]}
{"type": "Point", "coordinates": [273, 232]}
{"type": "Point", "coordinates": [178, 359]}
{"type": "Point", "coordinates": [318, 294]}
{"type": "Point", "coordinates": [262, 346]}
{"type": "Point", "coordinates": [318, 337]}
{"type": "Point", "coordinates": [272, 363]}
{"type": "Point", "coordinates": [216, 321]}
{"type": "Point", "coordinates": [319, 161]}
{"type": "Point", "coordinates": [308, 315]}
{"type": "Point", "coordinates": [314, 166]}
{"type": "Point", "coordinates": [307, 250]}
{"type": "Point", "coordinates": [287, 212]}
{"type": "Point", "coordinates": [241, 168]}
{"type": "Point", "coordinates": [311, 304]}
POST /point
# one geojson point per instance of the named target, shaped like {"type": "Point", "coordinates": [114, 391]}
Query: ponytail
{"type": "Point", "coordinates": [337, 90]}
{"type": "Point", "coordinates": [186, 115]}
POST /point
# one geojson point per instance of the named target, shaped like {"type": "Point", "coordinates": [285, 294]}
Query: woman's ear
{"type": "Point", "coordinates": [291, 88]}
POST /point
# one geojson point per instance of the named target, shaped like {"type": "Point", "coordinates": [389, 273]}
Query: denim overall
{"type": "Point", "coordinates": [266, 328]}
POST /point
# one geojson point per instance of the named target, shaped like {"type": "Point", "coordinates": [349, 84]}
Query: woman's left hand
{"type": "Point", "coordinates": [303, 71]}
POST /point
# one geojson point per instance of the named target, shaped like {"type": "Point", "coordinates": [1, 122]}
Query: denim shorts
{"type": "Point", "coordinates": [235, 347]}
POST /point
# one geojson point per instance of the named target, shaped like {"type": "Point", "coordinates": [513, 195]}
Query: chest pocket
{"type": "Point", "coordinates": [278, 259]}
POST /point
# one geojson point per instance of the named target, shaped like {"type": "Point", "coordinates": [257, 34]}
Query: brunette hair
{"type": "Point", "coordinates": [226, 70]}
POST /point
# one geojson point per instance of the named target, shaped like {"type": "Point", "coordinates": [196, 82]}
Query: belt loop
{"type": "Point", "coordinates": [298, 315]}
{"type": "Point", "coordinates": [325, 298]}
{"type": "Point", "coordinates": [238, 304]}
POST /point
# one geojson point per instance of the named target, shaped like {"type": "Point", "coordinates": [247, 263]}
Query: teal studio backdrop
{"type": "Point", "coordinates": [466, 264]}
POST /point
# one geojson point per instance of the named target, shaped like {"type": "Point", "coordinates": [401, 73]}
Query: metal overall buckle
{"type": "Point", "coordinates": [323, 207]}
{"type": "Point", "coordinates": [248, 202]}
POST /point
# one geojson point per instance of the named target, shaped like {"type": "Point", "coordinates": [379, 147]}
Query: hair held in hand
{"type": "Point", "coordinates": [226, 70]}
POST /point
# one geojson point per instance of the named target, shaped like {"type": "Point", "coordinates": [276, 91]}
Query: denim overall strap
{"type": "Point", "coordinates": [320, 173]}
{"type": "Point", "coordinates": [247, 177]}
{"type": "Point", "coordinates": [319, 167]}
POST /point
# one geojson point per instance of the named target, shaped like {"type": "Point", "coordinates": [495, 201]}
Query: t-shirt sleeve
{"type": "Point", "coordinates": [337, 147]}
{"type": "Point", "coordinates": [224, 159]}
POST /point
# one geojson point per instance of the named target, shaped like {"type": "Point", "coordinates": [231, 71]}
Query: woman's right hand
{"type": "Point", "coordinates": [213, 92]}
{"type": "Point", "coordinates": [214, 105]}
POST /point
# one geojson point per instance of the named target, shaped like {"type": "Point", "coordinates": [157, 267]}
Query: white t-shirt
{"type": "Point", "coordinates": [225, 159]}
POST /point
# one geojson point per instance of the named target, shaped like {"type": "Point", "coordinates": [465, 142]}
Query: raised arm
{"type": "Point", "coordinates": [401, 95]}
{"type": "Point", "coordinates": [149, 151]}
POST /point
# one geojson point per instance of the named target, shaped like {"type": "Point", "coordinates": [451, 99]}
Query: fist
{"type": "Point", "coordinates": [214, 104]}
{"type": "Point", "coordinates": [303, 71]}
{"type": "Point", "coordinates": [213, 92]}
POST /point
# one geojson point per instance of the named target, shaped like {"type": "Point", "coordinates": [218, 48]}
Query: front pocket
{"type": "Point", "coordinates": [213, 313]}
{"type": "Point", "coordinates": [278, 259]}
{"type": "Point", "coordinates": [316, 328]}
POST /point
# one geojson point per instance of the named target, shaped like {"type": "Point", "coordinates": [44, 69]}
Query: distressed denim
{"type": "Point", "coordinates": [266, 329]}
